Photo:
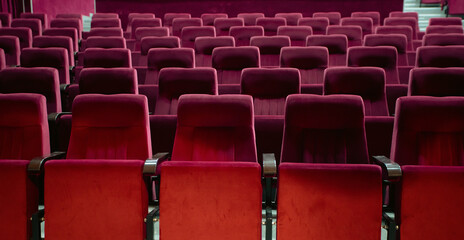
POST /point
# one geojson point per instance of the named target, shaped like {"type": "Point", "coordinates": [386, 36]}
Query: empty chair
{"type": "Point", "coordinates": [105, 32]}
{"type": "Point", "coordinates": [140, 58]}
{"type": "Point", "coordinates": [209, 18]}
{"type": "Point", "coordinates": [5, 19]}
{"type": "Point", "coordinates": [310, 196]}
{"type": "Point", "coordinates": [223, 25]}
{"type": "Point", "coordinates": [337, 45]}
{"type": "Point", "coordinates": [404, 14]}
{"type": "Point", "coordinates": [56, 41]}
{"type": "Point", "coordinates": [250, 18]}
{"type": "Point", "coordinates": [269, 48]}
{"type": "Point", "coordinates": [310, 61]}
{"type": "Point", "coordinates": [179, 23]}
{"type": "Point", "coordinates": [271, 25]}
{"type": "Point", "coordinates": [105, 15]}
{"type": "Point", "coordinates": [438, 82]}
{"type": "Point", "coordinates": [108, 81]}
{"type": "Point", "coordinates": [204, 47]}
{"type": "Point", "coordinates": [318, 24]}
{"type": "Point", "coordinates": [438, 29]}
{"type": "Point", "coordinates": [404, 21]}
{"type": "Point", "coordinates": [11, 48]}
{"type": "Point", "coordinates": [380, 56]}
{"type": "Point", "coordinates": [365, 23]}
{"type": "Point", "coordinates": [367, 82]}
{"type": "Point", "coordinates": [144, 22]}
{"type": "Point", "coordinates": [40, 80]}
{"type": "Point", "coordinates": [169, 17]}
{"type": "Point", "coordinates": [291, 18]}
{"type": "Point", "coordinates": [132, 16]}
{"type": "Point", "coordinates": [445, 21]}
{"type": "Point", "coordinates": [334, 17]}
{"type": "Point", "coordinates": [270, 88]}
{"type": "Point", "coordinates": [399, 41]}
{"type": "Point", "coordinates": [43, 17]}
{"type": "Point", "coordinates": [174, 82]}
{"type": "Point", "coordinates": [68, 23]}
{"type": "Point", "coordinates": [189, 34]}
{"type": "Point", "coordinates": [443, 39]}
{"type": "Point", "coordinates": [69, 15]}
{"type": "Point", "coordinates": [24, 34]}
{"type": "Point", "coordinates": [375, 16]}
{"type": "Point", "coordinates": [353, 33]}
{"type": "Point", "coordinates": [142, 32]}
{"type": "Point", "coordinates": [48, 57]}
{"type": "Point", "coordinates": [65, 32]}
{"type": "Point", "coordinates": [105, 23]}
{"type": "Point", "coordinates": [297, 34]}
{"type": "Point", "coordinates": [34, 24]}
{"type": "Point", "coordinates": [243, 35]}
{"type": "Point", "coordinates": [105, 42]}
{"type": "Point", "coordinates": [159, 58]}
{"type": "Point", "coordinates": [107, 58]}
{"type": "Point", "coordinates": [440, 56]}
{"type": "Point", "coordinates": [405, 30]}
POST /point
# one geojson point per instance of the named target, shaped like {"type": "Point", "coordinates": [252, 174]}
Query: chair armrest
{"type": "Point", "coordinates": [152, 163]}
{"type": "Point", "coordinates": [391, 169]}
{"type": "Point", "coordinates": [269, 165]}
{"type": "Point", "coordinates": [36, 164]}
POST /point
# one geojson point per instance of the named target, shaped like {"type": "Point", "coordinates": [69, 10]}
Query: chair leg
{"type": "Point", "coordinates": [36, 219]}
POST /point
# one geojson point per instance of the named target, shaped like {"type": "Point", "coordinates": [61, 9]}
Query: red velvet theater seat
{"type": "Point", "coordinates": [5, 18]}
{"type": "Point", "coordinates": [40, 80]}
{"type": "Point", "coordinates": [43, 17]}
{"type": "Point", "coordinates": [428, 131]}
{"type": "Point", "coordinates": [227, 195]}
{"type": "Point", "coordinates": [270, 25]}
{"type": "Point", "coordinates": [405, 30]}
{"type": "Point", "coordinates": [10, 46]}
{"type": "Point", "coordinates": [107, 58]}
{"type": "Point", "coordinates": [440, 56]}
{"type": "Point", "coordinates": [318, 24]}
{"type": "Point", "coordinates": [105, 15]}
{"type": "Point", "coordinates": [297, 34]}
{"type": "Point", "coordinates": [324, 129]}
{"type": "Point", "coordinates": [404, 14]}
{"type": "Point", "coordinates": [250, 18]}
{"type": "Point", "coordinates": [34, 24]}
{"type": "Point", "coordinates": [169, 17]}
{"type": "Point", "coordinates": [443, 39]}
{"type": "Point", "coordinates": [209, 18]}
{"type": "Point", "coordinates": [399, 41]}
{"type": "Point", "coordinates": [215, 128]}
{"type": "Point", "coordinates": [104, 32]}
{"type": "Point", "coordinates": [142, 32]}
{"type": "Point", "coordinates": [444, 29]}
{"type": "Point", "coordinates": [105, 23]}
{"type": "Point", "coordinates": [337, 45]}
{"type": "Point", "coordinates": [445, 21]}
{"type": "Point", "coordinates": [291, 18]}
{"type": "Point", "coordinates": [24, 34]}
{"type": "Point", "coordinates": [243, 35]}
{"type": "Point", "coordinates": [204, 47]}
{"type": "Point", "coordinates": [48, 57]}
{"type": "Point", "coordinates": [56, 41]}
{"type": "Point", "coordinates": [365, 23]}
{"type": "Point", "coordinates": [269, 48]}
{"type": "Point", "coordinates": [132, 16]}
{"type": "Point", "coordinates": [68, 23]}
{"type": "Point", "coordinates": [329, 201]}
{"type": "Point", "coordinates": [404, 21]}
{"type": "Point", "coordinates": [431, 200]}
{"type": "Point", "coordinates": [353, 33]}
{"type": "Point", "coordinates": [66, 32]}
{"type": "Point", "coordinates": [438, 82]}
{"type": "Point", "coordinates": [179, 23]}
{"type": "Point", "coordinates": [105, 42]}
{"type": "Point", "coordinates": [223, 25]}
{"type": "Point", "coordinates": [375, 16]}
{"type": "Point", "coordinates": [159, 58]}
{"type": "Point", "coordinates": [149, 42]}
{"type": "Point", "coordinates": [174, 82]}
{"type": "Point", "coordinates": [108, 81]}
{"type": "Point", "coordinates": [189, 34]}
{"type": "Point", "coordinates": [144, 22]}
{"type": "Point", "coordinates": [367, 82]}
{"type": "Point", "coordinates": [334, 17]}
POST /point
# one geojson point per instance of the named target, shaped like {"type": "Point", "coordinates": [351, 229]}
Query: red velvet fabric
{"type": "Point", "coordinates": [107, 58]}
{"type": "Point", "coordinates": [56, 41]}
{"type": "Point", "coordinates": [10, 46]}
{"type": "Point", "coordinates": [41, 80]}
{"type": "Point", "coordinates": [159, 58]}
{"type": "Point", "coordinates": [405, 30]}
{"type": "Point", "coordinates": [229, 62]}
{"type": "Point", "coordinates": [105, 15]}
{"type": "Point", "coordinates": [204, 47]}
{"type": "Point", "coordinates": [43, 17]}
{"type": "Point", "coordinates": [105, 42]}
{"type": "Point", "coordinates": [104, 32]}
{"type": "Point", "coordinates": [385, 57]}
{"type": "Point", "coordinates": [367, 82]}
{"type": "Point", "coordinates": [190, 33]}
{"type": "Point", "coordinates": [144, 22]}
{"type": "Point", "coordinates": [24, 126]}
{"type": "Point", "coordinates": [215, 128]}
{"type": "Point", "coordinates": [210, 200]}
{"type": "Point", "coordinates": [404, 21]}
{"type": "Point", "coordinates": [66, 31]}
{"type": "Point", "coordinates": [394, 91]}
{"type": "Point", "coordinates": [310, 61]}
{"type": "Point", "coordinates": [242, 35]}
{"type": "Point", "coordinates": [445, 21]}
{"type": "Point", "coordinates": [375, 16]}
{"type": "Point", "coordinates": [68, 23]}
{"type": "Point", "coordinates": [379, 131]}
{"type": "Point", "coordinates": [149, 42]}
{"type": "Point", "coordinates": [24, 34]}
{"type": "Point", "coordinates": [131, 16]}
{"type": "Point", "coordinates": [142, 32]}
{"type": "Point", "coordinates": [429, 131]}
{"type": "Point", "coordinates": [105, 23]}
{"type": "Point", "coordinates": [337, 45]}
{"type": "Point", "coordinates": [297, 34]}
{"type": "Point", "coordinates": [290, 17]}
{"type": "Point", "coordinates": [318, 24]}
{"type": "Point", "coordinates": [431, 200]}
{"type": "Point", "coordinates": [108, 81]}
{"type": "Point", "coordinates": [270, 24]}
{"type": "Point", "coordinates": [353, 33]}
{"type": "Point", "coordinates": [5, 18]}
{"type": "Point", "coordinates": [19, 200]}
{"type": "Point", "coordinates": [440, 56]}
{"type": "Point", "coordinates": [443, 39]}
{"type": "Point", "coordinates": [324, 129]}
{"type": "Point", "coordinates": [250, 18]}
{"type": "Point", "coordinates": [438, 82]}
{"type": "Point", "coordinates": [444, 29]}
{"type": "Point", "coordinates": [34, 24]}
{"type": "Point", "coordinates": [223, 25]}
{"type": "Point", "coordinates": [329, 201]}
{"type": "Point", "coordinates": [174, 82]}
{"type": "Point", "coordinates": [169, 17]}
{"type": "Point", "coordinates": [366, 24]}
{"type": "Point", "coordinates": [179, 23]}
{"type": "Point", "coordinates": [269, 48]}
{"type": "Point", "coordinates": [399, 41]}
{"type": "Point", "coordinates": [209, 18]}
{"type": "Point", "coordinates": [334, 17]}
{"type": "Point", "coordinates": [110, 127]}
{"type": "Point", "coordinates": [269, 131]}
{"type": "Point", "coordinates": [404, 14]}
{"type": "Point", "coordinates": [92, 199]}
{"type": "Point", "coordinates": [47, 57]}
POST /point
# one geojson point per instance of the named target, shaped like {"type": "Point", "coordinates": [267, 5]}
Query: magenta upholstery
{"type": "Point", "coordinates": [440, 56]}
{"type": "Point", "coordinates": [105, 42]}
{"type": "Point", "coordinates": [24, 34]}
{"type": "Point", "coordinates": [34, 24]}
{"type": "Point", "coordinates": [242, 35]}
{"type": "Point", "coordinates": [148, 43]}
{"type": "Point", "coordinates": [334, 17]}
{"type": "Point", "coordinates": [179, 23]}
{"type": "Point", "coordinates": [313, 197]}
{"type": "Point", "coordinates": [297, 34]}
{"type": "Point", "coordinates": [445, 21]}
{"type": "Point", "coordinates": [189, 34]}
{"type": "Point", "coordinates": [159, 58]}
{"type": "Point", "coordinates": [431, 199]}
{"type": "Point", "coordinates": [107, 58]}
{"type": "Point", "coordinates": [215, 128]}
{"type": "Point", "coordinates": [223, 25]}
{"type": "Point", "coordinates": [68, 23]}
{"type": "Point", "coordinates": [380, 56]}
{"type": "Point", "coordinates": [131, 16]}
{"type": "Point", "coordinates": [375, 16]}
{"type": "Point", "coordinates": [436, 141]}
{"type": "Point", "coordinates": [5, 19]}
{"type": "Point", "coordinates": [204, 47]}
{"type": "Point", "coordinates": [110, 127]}
{"type": "Point", "coordinates": [23, 126]}
{"type": "Point", "coordinates": [11, 48]}
{"type": "Point", "coordinates": [399, 41]}
{"type": "Point", "coordinates": [69, 15]}
{"type": "Point", "coordinates": [443, 39]}
{"type": "Point", "coordinates": [174, 82]}
{"type": "Point", "coordinates": [250, 18]}
{"type": "Point", "coordinates": [438, 82]}
{"type": "Point", "coordinates": [40, 16]}
{"type": "Point", "coordinates": [142, 32]}
{"type": "Point", "coordinates": [317, 24]}
{"type": "Point", "coordinates": [444, 29]}
{"type": "Point", "coordinates": [209, 18]}
{"type": "Point", "coordinates": [169, 17]}
{"type": "Point", "coordinates": [101, 205]}
{"type": "Point", "coordinates": [48, 57]}
{"type": "Point", "coordinates": [324, 129]}
{"type": "Point", "coordinates": [229, 62]}
{"type": "Point", "coordinates": [367, 82]}
{"type": "Point", "coordinates": [404, 14]}
{"type": "Point", "coordinates": [67, 32]}
{"type": "Point", "coordinates": [144, 22]}
{"type": "Point", "coordinates": [105, 32]}
{"type": "Point", "coordinates": [270, 25]}
{"type": "Point", "coordinates": [108, 80]}
{"type": "Point", "coordinates": [337, 45]}
{"type": "Point", "coordinates": [291, 18]}
{"type": "Point", "coordinates": [41, 80]}
{"type": "Point", "coordinates": [270, 88]}
{"type": "Point", "coordinates": [404, 21]}
{"type": "Point", "coordinates": [379, 131]}
{"type": "Point", "coordinates": [105, 15]}
{"type": "Point", "coordinates": [405, 30]}
{"type": "Point", "coordinates": [353, 33]}
{"type": "Point", "coordinates": [56, 41]}
{"type": "Point", "coordinates": [225, 195]}
{"type": "Point", "coordinates": [269, 48]}
{"type": "Point", "coordinates": [310, 61]}
{"type": "Point", "coordinates": [20, 198]}
{"type": "Point", "coordinates": [366, 23]}
{"type": "Point", "coordinates": [105, 23]}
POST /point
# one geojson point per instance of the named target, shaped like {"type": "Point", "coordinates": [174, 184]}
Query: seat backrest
{"type": "Point", "coordinates": [142, 32]}
{"type": "Point", "coordinates": [11, 48]}
{"type": "Point", "coordinates": [204, 47]}
{"type": "Point", "coordinates": [148, 43]}
{"type": "Point", "coordinates": [440, 56]}
{"type": "Point", "coordinates": [297, 34]}
{"type": "Point", "coordinates": [403, 21]}
{"type": "Point", "coordinates": [105, 23]}
{"type": "Point", "coordinates": [23, 126]}
{"type": "Point", "coordinates": [169, 17]}
{"type": "Point", "coordinates": [324, 129]}
{"type": "Point", "coordinates": [353, 33]}
{"type": "Point", "coordinates": [229, 62]}
{"type": "Point", "coordinates": [318, 24]}
{"type": "Point", "coordinates": [144, 22]}
{"type": "Point", "coordinates": [269, 48]}
{"type": "Point", "coordinates": [438, 82]}
{"type": "Point", "coordinates": [445, 21]}
{"type": "Point", "coordinates": [5, 19]}
{"type": "Point", "coordinates": [399, 41]}
{"type": "Point", "coordinates": [108, 81]}
{"type": "Point", "coordinates": [375, 16]}
{"type": "Point", "coordinates": [34, 24]}
{"type": "Point", "coordinates": [404, 14]}
{"type": "Point", "coordinates": [179, 23]}
{"type": "Point", "coordinates": [189, 34]}
{"type": "Point", "coordinates": [40, 80]}
{"type": "Point", "coordinates": [385, 57]}
{"type": "Point", "coordinates": [310, 61]}
{"type": "Point", "coordinates": [209, 18]}
{"type": "Point", "coordinates": [436, 141]}
{"type": "Point", "coordinates": [291, 18]}
{"type": "Point", "coordinates": [444, 29]}
{"type": "Point", "coordinates": [367, 82]}
{"type": "Point", "coordinates": [107, 58]}
{"type": "Point", "coordinates": [337, 45]}
{"type": "Point", "coordinates": [250, 18]}
{"type": "Point", "coordinates": [56, 41]}
{"type": "Point", "coordinates": [24, 34]}
{"type": "Point", "coordinates": [174, 82]}
{"type": "Point", "coordinates": [48, 57]}
{"type": "Point", "coordinates": [68, 23]}
{"type": "Point", "coordinates": [242, 35]}
{"type": "Point", "coordinates": [334, 17]}
{"type": "Point", "coordinates": [365, 23]}
{"type": "Point", "coordinates": [132, 16]}
{"type": "Point", "coordinates": [105, 32]}
{"type": "Point", "coordinates": [443, 39]}
{"type": "Point", "coordinates": [159, 58]}
{"type": "Point", "coordinates": [405, 30]}
{"type": "Point", "coordinates": [66, 32]}
{"type": "Point", "coordinates": [105, 15]}
{"type": "Point", "coordinates": [110, 127]}
{"type": "Point", "coordinates": [215, 128]}
{"type": "Point", "coordinates": [223, 25]}
{"type": "Point", "coordinates": [105, 42]}
{"type": "Point", "coordinates": [43, 17]}
{"type": "Point", "coordinates": [270, 88]}
{"type": "Point", "coordinates": [270, 25]}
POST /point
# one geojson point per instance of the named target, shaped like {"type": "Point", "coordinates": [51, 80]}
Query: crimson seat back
{"type": "Point", "coordinates": [11, 48]}
{"type": "Point", "coordinates": [105, 32]}
{"type": "Point", "coordinates": [223, 25]}
{"type": "Point", "coordinates": [56, 41]}
{"type": "Point", "coordinates": [243, 35]}
{"type": "Point", "coordinates": [169, 17]}
{"type": "Point", "coordinates": [105, 23]}
{"type": "Point", "coordinates": [5, 19]}
{"type": "Point", "coordinates": [269, 48]}
{"type": "Point", "coordinates": [375, 16]}
{"type": "Point", "coordinates": [443, 39]}
{"type": "Point", "coordinates": [189, 34]}
{"type": "Point", "coordinates": [445, 21]}
{"type": "Point", "coordinates": [105, 42]}
{"type": "Point", "coordinates": [366, 24]}
{"type": "Point", "coordinates": [105, 15]}
{"type": "Point", "coordinates": [405, 30]}
{"type": "Point", "coordinates": [204, 47]}
{"type": "Point", "coordinates": [334, 17]}
{"type": "Point", "coordinates": [159, 58]}
{"type": "Point", "coordinates": [132, 16]}
{"type": "Point", "coordinates": [107, 58]}
{"type": "Point", "coordinates": [438, 82]}
{"type": "Point", "coordinates": [24, 34]}
{"type": "Point", "coordinates": [229, 62]}
{"type": "Point", "coordinates": [291, 18]}
{"type": "Point", "coordinates": [48, 57]}
{"type": "Point", "coordinates": [403, 21]}
{"type": "Point", "coordinates": [142, 32]}
{"type": "Point", "coordinates": [353, 33]}
{"type": "Point", "coordinates": [399, 41]}
{"type": "Point", "coordinates": [318, 24]}
{"type": "Point", "coordinates": [209, 18]}
{"type": "Point", "coordinates": [68, 23]}
{"type": "Point", "coordinates": [179, 23]}
{"type": "Point", "coordinates": [108, 81]}
{"type": "Point", "coordinates": [144, 22]}
{"type": "Point", "coordinates": [385, 57]}
{"type": "Point", "coordinates": [270, 25]}
{"type": "Point", "coordinates": [297, 34]}
{"type": "Point", "coordinates": [43, 17]}
{"type": "Point", "coordinates": [337, 45]}
{"type": "Point", "coordinates": [67, 32]}
{"type": "Point", "coordinates": [34, 24]}
{"type": "Point", "coordinates": [250, 18]}
{"type": "Point", "coordinates": [440, 56]}
{"type": "Point", "coordinates": [444, 29]}
{"type": "Point", "coordinates": [310, 61]}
